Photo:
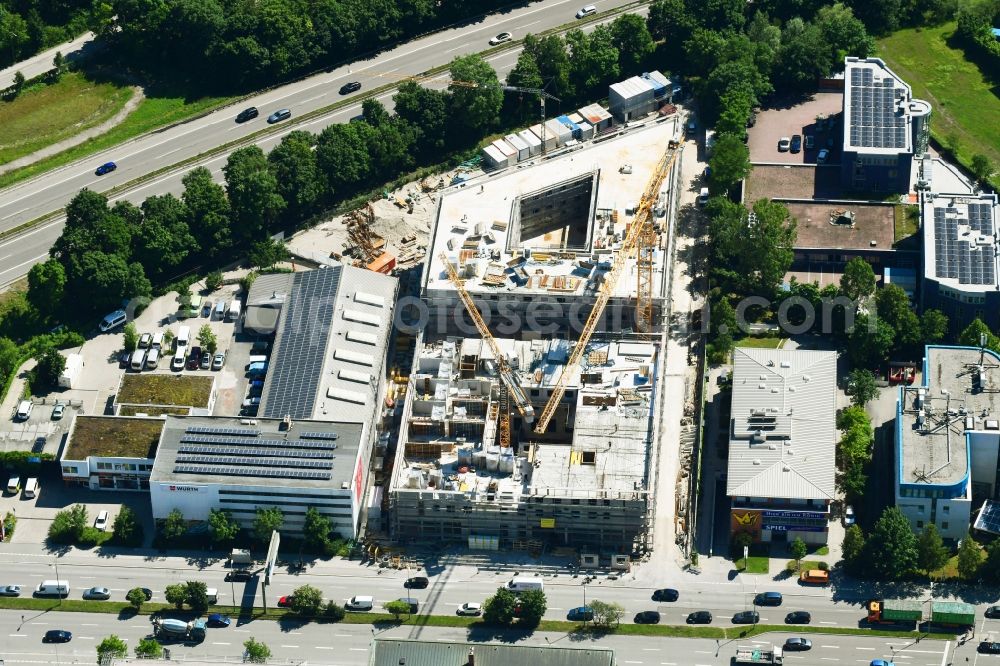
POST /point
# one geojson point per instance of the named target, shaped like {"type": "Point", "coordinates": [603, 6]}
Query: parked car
{"type": "Point", "coordinates": [849, 516]}
{"type": "Point", "coordinates": [194, 358]}
{"type": "Point", "coordinates": [699, 617]}
{"type": "Point", "coordinates": [822, 156]}
{"type": "Point", "coordinates": [470, 608]}
{"type": "Point", "coordinates": [286, 601]}
{"type": "Point", "coordinates": [239, 576]}
{"type": "Point", "coordinates": [101, 522]}
{"type": "Point", "coordinates": [989, 647]}
{"type": "Point", "coordinates": [206, 361]}
{"type": "Point", "coordinates": [796, 143]}
{"type": "Point", "coordinates": [57, 636]}
{"type": "Point", "coordinates": [23, 412]}
{"type": "Point", "coordinates": [416, 583]}
{"type": "Point", "coordinates": [647, 617]}
{"type": "Point", "coordinates": [665, 594]}
{"type": "Point", "coordinates": [145, 340]}
{"type": "Point", "coordinates": [123, 359]}
{"type": "Point", "coordinates": [798, 617]}
{"type": "Point", "coordinates": [58, 411]}
{"type": "Point", "coordinates": [746, 617]}
{"type": "Point", "coordinates": [146, 592]}
{"type": "Point", "coordinates": [107, 167]}
{"type": "Point", "coordinates": [703, 196]}
{"type": "Point", "coordinates": [586, 11]}
{"type": "Point", "coordinates": [218, 620]}
{"type": "Point", "coordinates": [256, 387]}
{"type": "Point", "coordinates": [783, 144]}
{"type": "Point", "coordinates": [97, 593]}
{"type": "Point", "coordinates": [177, 362]}
{"type": "Point", "coordinates": [501, 38]}
{"type": "Point", "coordinates": [10, 591]}
{"type": "Point", "coordinates": [247, 114]}
{"type": "Point", "coordinates": [278, 116]}
{"type": "Point", "coordinates": [218, 361]}
{"type": "Point", "coordinates": [580, 614]}
{"type": "Point", "coordinates": [993, 612]}
{"type": "Point", "coordinates": [254, 403]}
{"type": "Point", "coordinates": [348, 88]}
{"type": "Point", "coordinates": [797, 644]}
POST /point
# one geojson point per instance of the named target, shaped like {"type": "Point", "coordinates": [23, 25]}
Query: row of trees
{"type": "Point", "coordinates": [30, 26]}
{"type": "Point", "coordinates": [114, 647]}
{"type": "Point", "coordinates": [73, 526]}
{"type": "Point", "coordinates": [854, 452]}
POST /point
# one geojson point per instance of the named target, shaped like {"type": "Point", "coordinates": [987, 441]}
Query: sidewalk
{"type": "Point", "coordinates": [39, 64]}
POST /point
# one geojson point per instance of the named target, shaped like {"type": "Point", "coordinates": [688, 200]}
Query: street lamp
{"type": "Point", "coordinates": [58, 581]}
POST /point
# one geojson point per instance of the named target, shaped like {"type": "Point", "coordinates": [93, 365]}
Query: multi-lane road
{"type": "Point", "coordinates": [30, 200]}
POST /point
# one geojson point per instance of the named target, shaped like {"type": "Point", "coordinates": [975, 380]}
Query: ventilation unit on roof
{"type": "Point", "coordinates": [786, 364]}
{"type": "Point", "coordinates": [756, 461]}
{"type": "Point", "coordinates": [757, 437]}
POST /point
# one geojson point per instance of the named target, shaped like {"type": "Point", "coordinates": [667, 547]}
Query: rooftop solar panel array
{"type": "Point", "coordinates": [255, 462]}
{"type": "Point", "coordinates": [253, 451]}
{"type": "Point", "coordinates": [318, 435]}
{"type": "Point", "coordinates": [989, 517]}
{"type": "Point", "coordinates": [232, 432]}
{"type": "Point", "coordinates": [232, 441]}
{"type": "Point", "coordinates": [961, 258]}
{"type": "Point", "coordinates": [874, 121]}
{"type": "Point", "coordinates": [297, 364]}
{"type": "Point", "coordinates": [220, 470]}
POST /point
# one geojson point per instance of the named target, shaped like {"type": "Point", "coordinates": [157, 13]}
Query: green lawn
{"type": "Point", "coordinates": [755, 564]}
{"type": "Point", "coordinates": [763, 343]}
{"type": "Point", "coordinates": [906, 221]}
{"type": "Point", "coordinates": [47, 114]}
{"type": "Point", "coordinates": [966, 105]}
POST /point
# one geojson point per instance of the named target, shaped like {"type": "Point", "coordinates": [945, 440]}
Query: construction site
{"type": "Point", "coordinates": [526, 423]}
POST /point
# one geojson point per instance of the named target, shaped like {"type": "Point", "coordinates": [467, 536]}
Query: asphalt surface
{"type": "Point", "coordinates": [30, 200]}
{"type": "Point", "coordinates": [42, 62]}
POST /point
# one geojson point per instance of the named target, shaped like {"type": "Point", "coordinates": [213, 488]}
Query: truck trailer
{"type": "Point", "coordinates": [757, 655]}
{"type": "Point", "coordinates": [882, 611]}
{"type": "Point", "coordinates": [953, 613]}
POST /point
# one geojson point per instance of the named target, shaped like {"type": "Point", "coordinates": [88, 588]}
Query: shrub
{"type": "Point", "coordinates": [333, 612]}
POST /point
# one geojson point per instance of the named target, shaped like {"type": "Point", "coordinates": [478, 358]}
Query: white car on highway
{"type": "Point", "coordinates": [501, 38]}
{"type": "Point", "coordinates": [470, 608]}
{"type": "Point", "coordinates": [586, 11]}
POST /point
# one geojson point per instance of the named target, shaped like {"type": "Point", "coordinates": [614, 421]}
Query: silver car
{"type": "Point", "coordinates": [10, 591]}
{"type": "Point", "coordinates": [97, 594]}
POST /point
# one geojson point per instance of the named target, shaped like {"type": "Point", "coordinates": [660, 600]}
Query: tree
{"type": "Point", "coordinates": [176, 594]}
{"type": "Point", "coordinates": [255, 652]}
{"type": "Point", "coordinates": [344, 159]}
{"type": "Point", "coordinates": [148, 648]}
{"type": "Point", "coordinates": [296, 170]}
{"type": "Point", "coordinates": [526, 74]}
{"type": "Point", "coordinates": [730, 163]}
{"type": "Point", "coordinates": [798, 550]}
{"type": "Point", "coordinates": [267, 253]}
{"type": "Point", "coordinates": [499, 608]}
{"type": "Point", "coordinates": [933, 326]}
{"type": "Point", "coordinates": [174, 526]}
{"type": "Point", "coordinates": [68, 524]}
{"type": "Point", "coordinates": [127, 530]}
{"type": "Point", "coordinates": [803, 58]}
{"type": "Point", "coordinates": [58, 65]}
{"type": "Point", "coordinates": [772, 236]}
{"type": "Point", "coordinates": [253, 194]}
{"type": "Point", "coordinates": [594, 59]}
{"type": "Point", "coordinates": [861, 386]}
{"type": "Point", "coordinates": [853, 546]}
{"type": "Point", "coordinates": [316, 529]}
{"type": "Point", "coordinates": [553, 63]}
{"type": "Point", "coordinates": [208, 212]}
{"type": "Point", "coordinates": [870, 340]}
{"type": "Point", "coordinates": [396, 608]}
{"type": "Point", "coordinates": [426, 111]}
{"type": "Point", "coordinates": [213, 280]}
{"type": "Point", "coordinates": [630, 36]}
{"type": "Point", "coordinates": [130, 337]}
{"type": "Point", "coordinates": [306, 600]}
{"type": "Point", "coordinates": [606, 614]}
{"type": "Point", "coordinates": [982, 167]}
{"type": "Point", "coordinates": [670, 22]}
{"type": "Point", "coordinates": [853, 451]}
{"type": "Point", "coordinates": [333, 612]}
{"type": "Point", "coordinates": [222, 526]}
{"type": "Point", "coordinates": [894, 307]}
{"type": "Point", "coordinates": [931, 552]}
{"type": "Point", "coordinates": [880, 16]}
{"type": "Point", "coordinates": [891, 546]}
{"type": "Point", "coordinates": [533, 605]}
{"type": "Point", "coordinates": [476, 109]}
{"type": "Point", "coordinates": [166, 240]}
{"type": "Point", "coordinates": [19, 82]}
{"type": "Point", "coordinates": [46, 286]}
{"type": "Point", "coordinates": [991, 568]}
{"type": "Point", "coordinates": [977, 333]}
{"type": "Point", "coordinates": [111, 647]}
{"type": "Point", "coordinates": [267, 520]}
{"type": "Point", "coordinates": [136, 597]}
{"type": "Point", "coordinates": [207, 339]}
{"type": "Point", "coordinates": [50, 365]}
{"type": "Point", "coordinates": [970, 558]}
{"type": "Point", "coordinates": [197, 596]}
{"type": "Point", "coordinates": [858, 280]}
{"type": "Point", "coordinates": [843, 33]}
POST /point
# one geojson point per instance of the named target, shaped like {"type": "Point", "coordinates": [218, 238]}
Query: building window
{"type": "Point", "coordinates": [920, 508]}
{"type": "Point", "coordinates": [944, 525]}
{"type": "Point", "coordinates": [920, 524]}
{"type": "Point", "coordinates": [69, 470]}
{"type": "Point", "coordinates": [946, 508]}
{"type": "Point", "coordinates": [589, 457]}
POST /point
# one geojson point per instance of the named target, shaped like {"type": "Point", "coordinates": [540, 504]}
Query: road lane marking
{"type": "Point", "coordinates": [826, 622]}
{"type": "Point", "coordinates": [829, 659]}
{"type": "Point", "coordinates": [632, 662]}
{"type": "Point", "coordinates": [944, 656]}
{"type": "Point", "coordinates": [290, 646]}
{"type": "Point", "coordinates": [360, 649]}
{"type": "Point", "coordinates": [864, 648]}
{"type": "Point", "coordinates": [323, 647]}
{"type": "Point", "coordinates": [831, 647]}
{"type": "Point", "coordinates": [221, 643]}
{"type": "Point", "coordinates": [85, 638]}
{"type": "Point", "coordinates": [18, 635]}
{"type": "Point", "coordinates": [650, 649]}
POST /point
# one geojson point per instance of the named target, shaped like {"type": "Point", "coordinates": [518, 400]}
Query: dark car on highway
{"type": "Point", "coordinates": [278, 116]}
{"type": "Point", "coordinates": [107, 167]}
{"type": "Point", "coordinates": [239, 576]}
{"type": "Point", "coordinates": [699, 617]}
{"type": "Point", "coordinates": [347, 88]}
{"type": "Point", "coordinates": [218, 620]}
{"type": "Point", "coordinates": [798, 617]}
{"type": "Point", "coordinates": [247, 114]}
{"type": "Point", "coordinates": [666, 594]}
{"type": "Point", "coordinates": [416, 583]}
{"type": "Point", "coordinates": [746, 617]}
{"type": "Point", "coordinates": [797, 644]}
{"type": "Point", "coordinates": [57, 636]}
{"type": "Point", "coordinates": [647, 617]}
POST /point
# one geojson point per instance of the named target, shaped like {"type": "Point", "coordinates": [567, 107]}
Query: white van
{"type": "Point", "coordinates": [220, 310]}
{"type": "Point", "coordinates": [157, 340]}
{"type": "Point", "coordinates": [360, 602]}
{"type": "Point", "coordinates": [31, 488]}
{"type": "Point", "coordinates": [53, 588]}
{"type": "Point", "coordinates": [24, 410]}
{"type": "Point", "coordinates": [183, 337]}
{"type": "Point", "coordinates": [138, 359]}
{"type": "Point", "coordinates": [153, 358]}
{"type": "Point", "coordinates": [213, 595]}
{"type": "Point", "coordinates": [14, 484]}
{"type": "Point", "coordinates": [177, 363]}
{"type": "Point", "coordinates": [525, 584]}
{"type": "Point", "coordinates": [255, 359]}
{"type": "Point", "coordinates": [233, 313]}
{"type": "Point", "coordinates": [113, 320]}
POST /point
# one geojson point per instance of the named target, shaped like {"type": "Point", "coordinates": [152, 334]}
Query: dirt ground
{"type": "Point", "coordinates": [799, 118]}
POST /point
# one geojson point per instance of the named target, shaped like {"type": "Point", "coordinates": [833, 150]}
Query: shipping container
{"type": "Point", "coordinates": [597, 116]}
{"type": "Point", "coordinates": [895, 610]}
{"type": "Point", "coordinates": [953, 612]}
{"type": "Point", "coordinates": [519, 145]}
{"type": "Point", "coordinates": [573, 127]}
{"type": "Point", "coordinates": [533, 142]}
{"type": "Point", "coordinates": [550, 141]}
{"type": "Point", "coordinates": [384, 263]}
{"type": "Point", "coordinates": [507, 150]}
{"type": "Point", "coordinates": [560, 131]}
{"type": "Point", "coordinates": [494, 159]}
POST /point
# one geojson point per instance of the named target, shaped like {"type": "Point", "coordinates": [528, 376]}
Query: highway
{"type": "Point", "coordinates": [32, 199]}
{"type": "Point", "coordinates": [40, 63]}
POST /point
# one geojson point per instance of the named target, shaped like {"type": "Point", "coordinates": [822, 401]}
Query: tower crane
{"type": "Point", "coordinates": [510, 389]}
{"type": "Point", "coordinates": [639, 237]}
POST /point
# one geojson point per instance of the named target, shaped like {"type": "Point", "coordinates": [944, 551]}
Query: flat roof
{"type": "Point", "coordinates": [933, 419]}
{"type": "Point", "coordinates": [396, 651]}
{"type": "Point", "coordinates": [878, 108]}
{"type": "Point", "coordinates": [256, 452]}
{"type": "Point", "coordinates": [113, 437]}
{"type": "Point", "coordinates": [474, 227]}
{"type": "Point", "coordinates": [454, 407]}
{"type": "Point", "coordinates": [824, 225]}
{"type": "Point", "coordinates": [960, 242]}
{"type": "Point", "coordinates": [783, 433]}
{"type": "Point", "coordinates": [330, 346]}
{"type": "Point", "coordinates": [168, 389]}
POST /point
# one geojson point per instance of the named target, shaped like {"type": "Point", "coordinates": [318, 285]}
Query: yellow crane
{"type": "Point", "coordinates": [510, 387]}
{"type": "Point", "coordinates": [640, 237]}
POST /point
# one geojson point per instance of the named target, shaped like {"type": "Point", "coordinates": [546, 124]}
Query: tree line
{"type": "Point", "coordinates": [30, 26]}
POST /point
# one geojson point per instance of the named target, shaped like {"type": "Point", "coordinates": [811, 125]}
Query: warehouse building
{"type": "Point", "coordinates": [583, 484]}
{"type": "Point", "coordinates": [961, 272]}
{"type": "Point", "coordinates": [782, 444]}
{"type": "Point", "coordinates": [948, 439]}
{"type": "Point", "coordinates": [884, 128]}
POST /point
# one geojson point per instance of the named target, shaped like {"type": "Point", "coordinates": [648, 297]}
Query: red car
{"type": "Point", "coordinates": [285, 602]}
{"type": "Point", "coordinates": [194, 359]}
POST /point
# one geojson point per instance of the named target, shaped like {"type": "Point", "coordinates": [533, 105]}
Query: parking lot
{"type": "Point", "coordinates": [798, 118]}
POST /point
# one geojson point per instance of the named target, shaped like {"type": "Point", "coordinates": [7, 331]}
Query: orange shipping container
{"type": "Point", "coordinates": [384, 263]}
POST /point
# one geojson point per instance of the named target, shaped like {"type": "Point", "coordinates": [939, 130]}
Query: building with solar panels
{"type": "Point", "coordinates": [948, 439]}
{"type": "Point", "coordinates": [205, 463]}
{"type": "Point", "coordinates": [961, 270]}
{"type": "Point", "coordinates": [884, 127]}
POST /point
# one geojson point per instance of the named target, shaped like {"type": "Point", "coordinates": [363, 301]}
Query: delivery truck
{"type": "Point", "coordinates": [240, 558]}
{"type": "Point", "coordinates": [758, 654]}
{"type": "Point", "coordinates": [883, 611]}
{"type": "Point", "coordinates": [179, 630]}
{"type": "Point", "coordinates": [953, 613]}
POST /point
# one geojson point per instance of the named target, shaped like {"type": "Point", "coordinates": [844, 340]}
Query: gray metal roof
{"type": "Point", "coordinates": [389, 652]}
{"type": "Point", "coordinates": [783, 433]}
{"type": "Point", "coordinates": [269, 288]}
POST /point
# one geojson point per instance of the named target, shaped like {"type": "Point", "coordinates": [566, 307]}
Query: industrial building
{"type": "Point", "coordinates": [635, 97]}
{"type": "Point", "coordinates": [961, 274]}
{"type": "Point", "coordinates": [584, 484]}
{"type": "Point", "coordinates": [948, 439]}
{"type": "Point", "coordinates": [110, 452]}
{"type": "Point", "coordinates": [238, 465]}
{"type": "Point", "coordinates": [534, 245]}
{"type": "Point", "coordinates": [884, 128]}
{"type": "Point", "coordinates": [782, 444]}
